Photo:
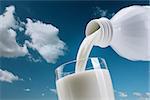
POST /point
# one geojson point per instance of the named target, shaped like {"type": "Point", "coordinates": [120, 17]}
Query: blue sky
{"type": "Point", "coordinates": [36, 74]}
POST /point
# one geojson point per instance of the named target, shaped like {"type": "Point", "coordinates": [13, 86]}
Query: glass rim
{"type": "Point", "coordinates": [73, 61]}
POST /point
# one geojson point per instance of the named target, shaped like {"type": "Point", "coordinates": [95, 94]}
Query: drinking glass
{"type": "Point", "coordinates": [92, 84]}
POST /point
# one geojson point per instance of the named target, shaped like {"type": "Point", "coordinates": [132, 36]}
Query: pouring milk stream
{"type": "Point", "coordinates": [128, 33]}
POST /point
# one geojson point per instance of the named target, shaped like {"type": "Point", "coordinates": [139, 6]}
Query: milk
{"type": "Point", "coordinates": [87, 85]}
{"type": "Point", "coordinates": [85, 49]}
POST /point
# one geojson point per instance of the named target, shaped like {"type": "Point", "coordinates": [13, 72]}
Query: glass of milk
{"type": "Point", "coordinates": [92, 84]}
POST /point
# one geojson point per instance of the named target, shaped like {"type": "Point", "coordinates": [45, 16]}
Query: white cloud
{"type": "Point", "coordinates": [30, 79]}
{"type": "Point", "coordinates": [142, 96]}
{"type": "Point", "coordinates": [21, 29]}
{"type": "Point", "coordinates": [8, 45]}
{"type": "Point", "coordinates": [99, 12]}
{"type": "Point", "coordinates": [147, 94]}
{"type": "Point", "coordinates": [54, 91]}
{"type": "Point", "coordinates": [137, 94]}
{"type": "Point", "coordinates": [43, 94]}
{"type": "Point", "coordinates": [122, 94]}
{"type": "Point", "coordinates": [6, 76]}
{"type": "Point", "coordinates": [33, 59]}
{"type": "Point", "coordinates": [27, 90]}
{"type": "Point", "coordinates": [45, 40]}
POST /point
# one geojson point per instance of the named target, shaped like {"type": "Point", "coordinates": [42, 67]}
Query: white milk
{"type": "Point", "coordinates": [84, 51]}
{"type": "Point", "coordinates": [88, 85]}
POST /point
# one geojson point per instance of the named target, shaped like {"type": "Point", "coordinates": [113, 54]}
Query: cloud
{"type": "Point", "coordinates": [33, 59]}
{"type": "Point", "coordinates": [45, 40]}
{"type": "Point", "coordinates": [137, 94]}
{"type": "Point", "coordinates": [27, 90]}
{"type": "Point", "coordinates": [147, 94]}
{"type": "Point", "coordinates": [123, 94]}
{"type": "Point", "coordinates": [142, 96]}
{"type": "Point", "coordinates": [9, 77]}
{"type": "Point", "coordinates": [30, 79]}
{"type": "Point", "coordinates": [43, 94]}
{"type": "Point", "coordinates": [8, 45]}
{"type": "Point", "coordinates": [99, 12]}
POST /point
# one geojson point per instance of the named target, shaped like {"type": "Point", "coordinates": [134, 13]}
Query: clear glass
{"type": "Point", "coordinates": [92, 84]}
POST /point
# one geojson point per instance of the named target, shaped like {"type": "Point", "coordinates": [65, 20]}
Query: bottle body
{"type": "Point", "coordinates": [131, 38]}
{"type": "Point", "coordinates": [128, 32]}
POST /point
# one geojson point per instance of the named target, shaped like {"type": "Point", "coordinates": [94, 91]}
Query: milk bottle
{"type": "Point", "coordinates": [128, 33]}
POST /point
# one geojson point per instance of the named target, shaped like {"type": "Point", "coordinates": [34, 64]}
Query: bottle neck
{"type": "Point", "coordinates": [105, 34]}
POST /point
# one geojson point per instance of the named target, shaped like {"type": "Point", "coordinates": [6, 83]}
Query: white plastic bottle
{"type": "Point", "coordinates": [128, 32]}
